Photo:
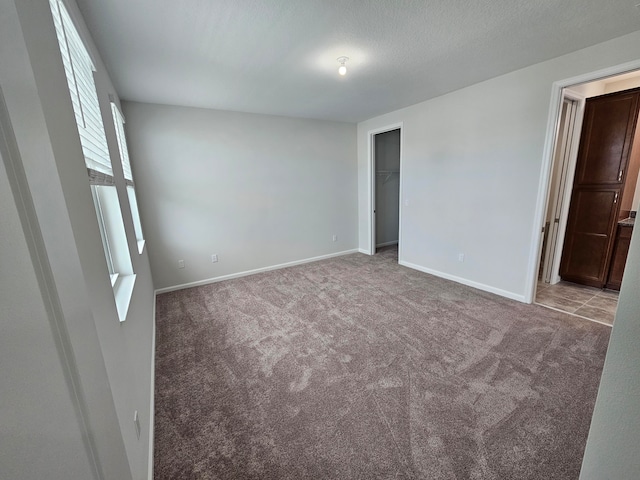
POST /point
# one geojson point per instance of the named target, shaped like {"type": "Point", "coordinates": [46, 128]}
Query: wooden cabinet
{"type": "Point", "coordinates": [603, 155]}
{"type": "Point", "coordinates": [619, 257]}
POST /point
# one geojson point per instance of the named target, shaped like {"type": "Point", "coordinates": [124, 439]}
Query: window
{"type": "Point", "coordinates": [118, 121]}
{"type": "Point", "coordinates": [79, 70]}
{"type": "Point", "coordinates": [103, 234]}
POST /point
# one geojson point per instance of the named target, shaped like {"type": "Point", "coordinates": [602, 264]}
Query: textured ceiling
{"type": "Point", "coordinates": [279, 56]}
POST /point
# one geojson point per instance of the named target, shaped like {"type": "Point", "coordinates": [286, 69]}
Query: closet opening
{"type": "Point", "coordinates": [385, 186]}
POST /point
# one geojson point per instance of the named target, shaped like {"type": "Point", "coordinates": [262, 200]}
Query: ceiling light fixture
{"type": "Point", "coordinates": [342, 69]}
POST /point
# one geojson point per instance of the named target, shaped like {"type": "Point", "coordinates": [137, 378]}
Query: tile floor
{"type": "Point", "coordinates": [588, 302]}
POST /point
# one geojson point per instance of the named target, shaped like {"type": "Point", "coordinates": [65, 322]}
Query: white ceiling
{"type": "Point", "coordinates": [279, 56]}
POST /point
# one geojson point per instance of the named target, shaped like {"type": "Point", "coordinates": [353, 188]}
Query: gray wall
{"type": "Point", "coordinates": [614, 436]}
{"type": "Point", "coordinates": [387, 154]}
{"type": "Point", "coordinates": [41, 436]}
{"type": "Point", "coordinates": [96, 368]}
{"type": "Point", "coordinates": [472, 162]}
{"type": "Point", "coordinates": [256, 190]}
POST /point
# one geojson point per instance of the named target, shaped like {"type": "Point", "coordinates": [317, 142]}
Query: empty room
{"type": "Point", "coordinates": [260, 239]}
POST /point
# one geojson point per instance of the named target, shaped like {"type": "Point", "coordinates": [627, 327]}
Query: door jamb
{"type": "Point", "coordinates": [372, 185]}
{"type": "Point", "coordinates": [547, 160]}
{"type": "Point", "coordinates": [568, 180]}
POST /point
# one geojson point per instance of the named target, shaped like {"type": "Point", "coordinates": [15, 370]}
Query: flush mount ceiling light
{"type": "Point", "coordinates": [342, 69]}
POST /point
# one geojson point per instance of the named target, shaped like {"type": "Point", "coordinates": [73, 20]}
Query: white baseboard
{"type": "Point", "coordinates": [253, 272]}
{"type": "Point", "coordinates": [153, 386]}
{"type": "Point", "coordinates": [366, 252]}
{"type": "Point", "coordinates": [464, 281]}
{"type": "Point", "coordinates": [386, 244]}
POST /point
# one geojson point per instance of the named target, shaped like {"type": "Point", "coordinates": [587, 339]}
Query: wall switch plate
{"type": "Point", "coordinates": [136, 422]}
{"type": "Point", "coordinates": [180, 263]}
{"type": "Point", "coordinates": [214, 258]}
{"type": "Point", "coordinates": [335, 238]}
{"type": "Point", "coordinates": [461, 257]}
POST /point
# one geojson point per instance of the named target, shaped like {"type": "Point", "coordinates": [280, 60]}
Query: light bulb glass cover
{"type": "Point", "coordinates": [342, 69]}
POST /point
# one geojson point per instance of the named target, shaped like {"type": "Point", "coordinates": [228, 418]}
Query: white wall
{"type": "Point", "coordinates": [387, 152]}
{"type": "Point", "coordinates": [626, 84]}
{"type": "Point", "coordinates": [588, 90]}
{"type": "Point", "coordinates": [472, 162]}
{"type": "Point", "coordinates": [614, 435]}
{"type": "Point", "coordinates": [41, 436]}
{"type": "Point", "coordinates": [256, 190]}
{"type": "Point", "coordinates": [613, 84]}
{"type": "Point", "coordinates": [109, 363]}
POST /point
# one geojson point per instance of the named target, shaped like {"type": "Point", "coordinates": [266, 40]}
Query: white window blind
{"type": "Point", "coordinates": [79, 71]}
{"type": "Point", "coordinates": [118, 121]}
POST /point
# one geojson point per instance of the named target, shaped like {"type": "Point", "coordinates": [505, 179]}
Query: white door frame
{"type": "Point", "coordinates": [547, 162]}
{"type": "Point", "coordinates": [566, 187]}
{"type": "Point", "coordinates": [372, 185]}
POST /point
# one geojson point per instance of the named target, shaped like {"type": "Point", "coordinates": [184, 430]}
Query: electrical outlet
{"type": "Point", "coordinates": [335, 238]}
{"type": "Point", "coordinates": [214, 258]}
{"type": "Point", "coordinates": [180, 263]}
{"type": "Point", "coordinates": [461, 257]}
{"type": "Point", "coordinates": [136, 422]}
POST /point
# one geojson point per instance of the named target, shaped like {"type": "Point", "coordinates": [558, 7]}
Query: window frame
{"type": "Point", "coordinates": [125, 160]}
{"type": "Point", "coordinates": [79, 72]}
{"type": "Point", "coordinates": [113, 274]}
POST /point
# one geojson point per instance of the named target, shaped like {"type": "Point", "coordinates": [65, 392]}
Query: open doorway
{"type": "Point", "coordinates": [587, 223]}
{"type": "Point", "coordinates": [385, 192]}
{"type": "Point", "coordinates": [386, 159]}
{"type": "Point", "coordinates": [559, 192]}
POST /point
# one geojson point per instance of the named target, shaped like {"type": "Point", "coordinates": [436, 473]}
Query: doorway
{"type": "Point", "coordinates": [385, 191]}
{"type": "Point", "coordinates": [558, 286]}
{"type": "Point", "coordinates": [559, 193]}
{"type": "Point", "coordinates": [386, 159]}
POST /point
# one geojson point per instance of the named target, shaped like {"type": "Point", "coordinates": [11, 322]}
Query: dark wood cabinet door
{"type": "Point", "coordinates": [607, 135]}
{"type": "Point", "coordinates": [603, 155]}
{"type": "Point", "coordinates": [619, 257]}
{"type": "Point", "coordinates": [589, 234]}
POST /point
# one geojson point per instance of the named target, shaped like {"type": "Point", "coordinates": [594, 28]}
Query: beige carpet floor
{"type": "Point", "coordinates": [358, 368]}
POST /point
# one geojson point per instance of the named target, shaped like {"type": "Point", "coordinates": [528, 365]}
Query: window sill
{"type": "Point", "coordinates": [123, 292]}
